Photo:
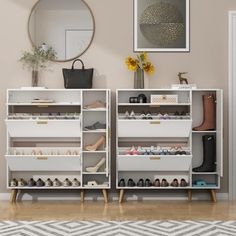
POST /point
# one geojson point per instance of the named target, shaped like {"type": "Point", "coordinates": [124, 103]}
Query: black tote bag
{"type": "Point", "coordinates": [78, 78]}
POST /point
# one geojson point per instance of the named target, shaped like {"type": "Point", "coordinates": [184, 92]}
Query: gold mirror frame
{"type": "Point", "coordinates": [71, 59]}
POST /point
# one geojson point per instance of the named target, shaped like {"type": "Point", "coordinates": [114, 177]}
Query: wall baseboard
{"type": "Point", "coordinates": [112, 196]}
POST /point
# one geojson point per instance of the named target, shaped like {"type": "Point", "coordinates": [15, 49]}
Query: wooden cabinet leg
{"type": "Point", "coordinates": [82, 196]}
{"type": "Point", "coordinates": [122, 191]}
{"type": "Point", "coordinates": [190, 194]}
{"type": "Point", "coordinates": [105, 195]}
{"type": "Point", "coordinates": [213, 195]}
{"type": "Point", "coordinates": [13, 195]}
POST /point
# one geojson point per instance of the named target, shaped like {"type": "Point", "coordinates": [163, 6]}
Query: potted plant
{"type": "Point", "coordinates": [139, 65]}
{"type": "Point", "coordinates": [37, 59]}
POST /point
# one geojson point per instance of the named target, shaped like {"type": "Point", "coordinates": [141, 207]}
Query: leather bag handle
{"type": "Point", "coordinates": [75, 62]}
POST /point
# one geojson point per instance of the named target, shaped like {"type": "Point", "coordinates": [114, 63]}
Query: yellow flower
{"type": "Point", "coordinates": [143, 56]}
{"type": "Point", "coordinates": [149, 68]}
{"type": "Point", "coordinates": [131, 63]}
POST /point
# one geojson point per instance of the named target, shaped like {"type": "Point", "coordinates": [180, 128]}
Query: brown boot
{"type": "Point", "coordinates": [209, 114]}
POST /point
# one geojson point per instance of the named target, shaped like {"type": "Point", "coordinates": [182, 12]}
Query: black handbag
{"type": "Point", "coordinates": [78, 78]}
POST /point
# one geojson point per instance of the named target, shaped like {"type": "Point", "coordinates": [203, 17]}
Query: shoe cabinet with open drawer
{"type": "Point", "coordinates": [156, 142]}
{"type": "Point", "coordinates": [48, 131]}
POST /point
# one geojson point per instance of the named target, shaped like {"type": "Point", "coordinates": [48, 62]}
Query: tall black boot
{"type": "Point", "coordinates": [209, 155]}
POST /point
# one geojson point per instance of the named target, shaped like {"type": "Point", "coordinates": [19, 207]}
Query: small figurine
{"type": "Point", "coordinates": [182, 80]}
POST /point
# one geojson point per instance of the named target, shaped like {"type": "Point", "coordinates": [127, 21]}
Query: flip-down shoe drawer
{"type": "Point", "coordinates": [154, 163]}
{"type": "Point", "coordinates": [30, 163]}
{"type": "Point", "coordinates": [162, 128]}
{"type": "Point", "coordinates": [43, 128]}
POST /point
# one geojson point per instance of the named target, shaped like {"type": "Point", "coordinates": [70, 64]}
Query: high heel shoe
{"type": "Point", "coordinates": [97, 166]}
{"type": "Point", "coordinates": [94, 147]}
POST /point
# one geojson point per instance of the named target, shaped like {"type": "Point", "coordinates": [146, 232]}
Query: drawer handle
{"type": "Point", "coordinates": [42, 122]}
{"type": "Point", "coordinates": [42, 158]}
{"type": "Point", "coordinates": [42, 106]}
{"type": "Point", "coordinates": [155, 122]}
{"type": "Point", "coordinates": [155, 158]}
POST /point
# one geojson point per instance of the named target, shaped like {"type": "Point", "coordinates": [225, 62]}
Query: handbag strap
{"type": "Point", "coordinates": [75, 62]}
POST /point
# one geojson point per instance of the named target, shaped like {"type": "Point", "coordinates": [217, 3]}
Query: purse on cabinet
{"type": "Point", "coordinates": [78, 78]}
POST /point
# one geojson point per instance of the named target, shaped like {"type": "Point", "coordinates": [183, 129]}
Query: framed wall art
{"type": "Point", "coordinates": [161, 26]}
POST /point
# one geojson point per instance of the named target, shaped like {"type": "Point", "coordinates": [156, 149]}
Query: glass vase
{"type": "Point", "coordinates": [35, 78]}
{"type": "Point", "coordinates": [139, 79]}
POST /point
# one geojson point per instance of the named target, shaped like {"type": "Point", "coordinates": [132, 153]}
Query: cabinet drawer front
{"type": "Point", "coordinates": [154, 163]}
{"type": "Point", "coordinates": [162, 128]}
{"type": "Point", "coordinates": [44, 128]}
{"type": "Point", "coordinates": [43, 163]}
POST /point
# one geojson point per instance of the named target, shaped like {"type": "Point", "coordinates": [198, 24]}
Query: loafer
{"type": "Point", "coordinates": [56, 183]}
{"type": "Point", "coordinates": [164, 183]}
{"type": "Point", "coordinates": [149, 116]}
{"type": "Point", "coordinates": [40, 183]}
{"type": "Point", "coordinates": [67, 183]}
{"type": "Point", "coordinates": [75, 183]}
{"type": "Point", "coordinates": [95, 126]}
{"type": "Point", "coordinates": [121, 183]}
{"type": "Point", "coordinates": [22, 183]}
{"type": "Point", "coordinates": [31, 182]}
{"type": "Point", "coordinates": [48, 183]}
{"type": "Point", "coordinates": [183, 183]}
{"type": "Point", "coordinates": [157, 183]}
{"type": "Point", "coordinates": [148, 183]}
{"type": "Point", "coordinates": [175, 183]}
{"type": "Point", "coordinates": [140, 183]}
{"type": "Point", "coordinates": [131, 183]}
{"type": "Point", "coordinates": [13, 183]}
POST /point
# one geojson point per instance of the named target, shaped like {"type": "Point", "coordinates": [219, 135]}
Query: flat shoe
{"type": "Point", "coordinates": [148, 183]}
{"type": "Point", "coordinates": [175, 183]}
{"type": "Point", "coordinates": [164, 183]}
{"type": "Point", "coordinates": [157, 183]}
{"type": "Point", "coordinates": [183, 183]}
{"type": "Point", "coordinates": [131, 183]}
{"type": "Point", "coordinates": [140, 183]}
{"type": "Point", "coordinates": [121, 183]}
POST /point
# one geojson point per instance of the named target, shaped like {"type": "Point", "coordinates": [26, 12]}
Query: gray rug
{"type": "Point", "coordinates": [117, 228]}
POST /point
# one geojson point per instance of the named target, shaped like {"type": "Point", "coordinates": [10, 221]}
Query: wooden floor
{"type": "Point", "coordinates": [132, 210]}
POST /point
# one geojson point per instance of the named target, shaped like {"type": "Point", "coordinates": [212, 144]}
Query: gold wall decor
{"type": "Point", "coordinates": [161, 25]}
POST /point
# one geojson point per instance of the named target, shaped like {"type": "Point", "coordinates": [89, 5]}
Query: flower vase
{"type": "Point", "coordinates": [35, 78]}
{"type": "Point", "coordinates": [139, 79]}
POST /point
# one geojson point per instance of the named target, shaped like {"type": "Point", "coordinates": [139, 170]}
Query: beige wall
{"type": "Point", "coordinates": [206, 63]}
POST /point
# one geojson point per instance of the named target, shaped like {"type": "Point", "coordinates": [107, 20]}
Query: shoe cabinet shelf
{"type": "Point", "coordinates": [169, 145]}
{"type": "Point", "coordinates": [58, 139]}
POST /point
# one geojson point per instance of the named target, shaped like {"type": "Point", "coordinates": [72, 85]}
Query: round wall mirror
{"type": "Point", "coordinates": [65, 25]}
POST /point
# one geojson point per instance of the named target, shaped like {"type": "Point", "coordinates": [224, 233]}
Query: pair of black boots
{"type": "Point", "coordinates": [209, 155]}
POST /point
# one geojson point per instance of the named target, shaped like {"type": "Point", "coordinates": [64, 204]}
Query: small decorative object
{"type": "Point", "coordinates": [142, 98]}
{"type": "Point", "coordinates": [139, 65]}
{"type": "Point", "coordinates": [36, 60]}
{"type": "Point", "coordinates": [182, 80]}
{"type": "Point", "coordinates": [161, 25]}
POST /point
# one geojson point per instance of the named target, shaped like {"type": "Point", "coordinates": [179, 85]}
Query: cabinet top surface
{"type": "Point", "coordinates": [59, 90]}
{"type": "Point", "coordinates": [168, 89]}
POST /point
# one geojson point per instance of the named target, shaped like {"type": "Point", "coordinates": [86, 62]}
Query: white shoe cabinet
{"type": "Point", "coordinates": [166, 132]}
{"type": "Point", "coordinates": [46, 138]}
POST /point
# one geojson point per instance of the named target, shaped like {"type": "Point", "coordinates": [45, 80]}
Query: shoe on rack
{"type": "Point", "coordinates": [209, 114]}
{"type": "Point", "coordinates": [121, 183]}
{"type": "Point", "coordinates": [157, 183]}
{"type": "Point", "coordinates": [149, 116]}
{"type": "Point", "coordinates": [126, 115]}
{"type": "Point", "coordinates": [183, 183]}
{"type": "Point", "coordinates": [95, 126]}
{"type": "Point", "coordinates": [96, 105]}
{"type": "Point", "coordinates": [175, 183]}
{"type": "Point", "coordinates": [131, 183]}
{"type": "Point", "coordinates": [97, 166]}
{"type": "Point", "coordinates": [48, 183]}
{"type": "Point", "coordinates": [132, 151]}
{"type": "Point", "coordinates": [13, 183]}
{"type": "Point", "coordinates": [67, 183]}
{"type": "Point", "coordinates": [75, 183]}
{"type": "Point", "coordinates": [56, 183]}
{"type": "Point", "coordinates": [31, 182]}
{"type": "Point", "coordinates": [140, 183]}
{"type": "Point", "coordinates": [22, 183]}
{"type": "Point", "coordinates": [143, 116]}
{"type": "Point", "coordinates": [94, 147]}
{"type": "Point", "coordinates": [92, 183]}
{"type": "Point", "coordinates": [159, 116]}
{"type": "Point", "coordinates": [148, 183]}
{"type": "Point", "coordinates": [132, 115]}
{"type": "Point", "coordinates": [164, 183]}
{"type": "Point", "coordinates": [40, 183]}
